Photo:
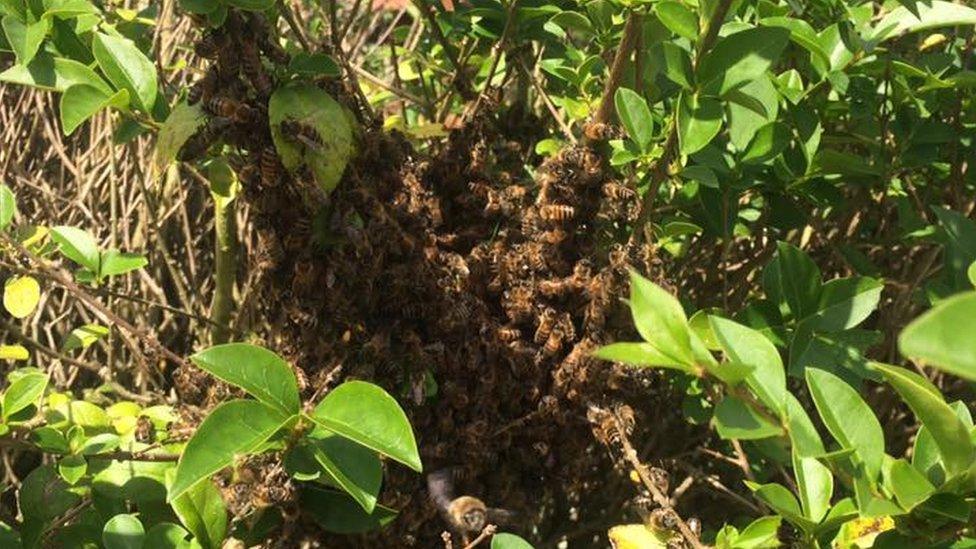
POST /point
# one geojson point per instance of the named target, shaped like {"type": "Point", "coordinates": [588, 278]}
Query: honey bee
{"type": "Point", "coordinates": [598, 131]}
{"type": "Point", "coordinates": [294, 130]}
{"type": "Point", "coordinates": [210, 45]}
{"type": "Point", "coordinates": [301, 318]}
{"type": "Point", "coordinates": [695, 525]}
{"type": "Point", "coordinates": [557, 212]}
{"type": "Point", "coordinates": [202, 89]}
{"type": "Point", "coordinates": [254, 70]}
{"type": "Point", "coordinates": [228, 108]}
{"type": "Point", "coordinates": [145, 432]}
{"type": "Point", "coordinates": [663, 519]}
{"type": "Point", "coordinates": [547, 321]}
{"type": "Point", "coordinates": [554, 342]}
{"type": "Point", "coordinates": [618, 191]}
{"type": "Point", "coordinates": [554, 237]}
{"type": "Point", "coordinates": [518, 303]}
{"type": "Point", "coordinates": [509, 334]}
{"type": "Point", "coordinates": [270, 167]}
{"type": "Point", "coordinates": [196, 146]}
{"type": "Point", "coordinates": [660, 478]}
{"type": "Point", "coordinates": [303, 277]}
{"type": "Point", "coordinates": [302, 379]}
{"type": "Point", "coordinates": [467, 515]}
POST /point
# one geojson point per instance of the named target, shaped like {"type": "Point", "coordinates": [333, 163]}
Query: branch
{"type": "Point", "coordinates": [628, 42]}
{"type": "Point", "coordinates": [225, 268]}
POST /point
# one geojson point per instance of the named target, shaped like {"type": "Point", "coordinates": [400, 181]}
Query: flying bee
{"type": "Point", "coordinates": [547, 321]}
{"type": "Point", "coordinates": [254, 70]}
{"type": "Point", "coordinates": [509, 334]}
{"type": "Point", "coordinates": [467, 515]}
{"type": "Point", "coordinates": [663, 519]}
{"type": "Point", "coordinates": [294, 130]}
{"type": "Point", "coordinates": [557, 212]}
{"type": "Point", "coordinates": [270, 167]}
{"type": "Point", "coordinates": [210, 45]}
{"type": "Point", "coordinates": [196, 146]}
{"type": "Point", "coordinates": [202, 89]}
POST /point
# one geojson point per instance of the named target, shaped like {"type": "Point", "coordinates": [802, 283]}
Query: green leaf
{"type": "Point", "coordinates": [80, 102]}
{"type": "Point", "coordinates": [635, 115]}
{"type": "Point", "coordinates": [734, 419]}
{"type": "Point", "coordinates": [837, 402]}
{"type": "Point", "coordinates": [25, 39]}
{"type": "Point", "coordinates": [44, 495]}
{"type": "Point", "coordinates": [8, 206]}
{"type": "Point", "coordinates": [950, 433]}
{"type": "Point", "coordinates": [21, 295]}
{"type": "Point", "coordinates": [23, 392]}
{"type": "Point", "coordinates": [960, 251]}
{"type": "Point", "coordinates": [314, 64]}
{"type": "Point", "coordinates": [909, 485]}
{"type": "Point", "coordinates": [815, 484]}
{"type": "Point", "coordinates": [72, 468]}
{"type": "Point", "coordinates": [931, 14]}
{"type": "Point", "coordinates": [234, 428]}
{"type": "Point", "coordinates": [127, 68]}
{"type": "Point", "coordinates": [970, 272]}
{"type": "Point", "coordinates": [78, 246]}
{"type": "Point", "coordinates": [166, 535]}
{"type": "Point", "coordinates": [114, 263]}
{"type": "Point", "coordinates": [310, 105]}
{"type": "Point", "coordinates": [769, 141]}
{"type": "Point", "coordinates": [365, 413]}
{"type": "Point", "coordinates": [794, 277]}
{"type": "Point", "coordinates": [638, 354]}
{"type": "Point", "coordinates": [781, 500]}
{"type": "Point", "coordinates": [352, 467]}
{"type": "Point", "coordinates": [745, 117]}
{"type": "Point", "coordinates": [84, 336]}
{"type": "Point", "coordinates": [337, 512]}
{"type": "Point", "coordinates": [801, 33]}
{"type": "Point", "coordinates": [747, 346]}
{"type": "Point", "coordinates": [53, 73]}
{"type": "Point", "coordinates": [804, 437]}
{"type": "Point", "coordinates": [184, 121]}
{"type": "Point", "coordinates": [68, 9]}
{"type": "Point", "coordinates": [942, 337]}
{"type": "Point", "coordinates": [100, 443]}
{"type": "Point", "coordinates": [845, 302]}
{"type": "Point", "coordinates": [740, 58]}
{"type": "Point", "coordinates": [502, 540]}
{"type": "Point", "coordinates": [260, 372]}
{"type": "Point", "coordinates": [660, 320]}
{"type": "Point", "coordinates": [201, 509]}
{"type": "Point", "coordinates": [699, 121]}
{"type": "Point", "coordinates": [252, 5]}
{"type": "Point", "coordinates": [677, 65]}
{"type": "Point", "coordinates": [678, 19]}
{"type": "Point", "coordinates": [123, 532]}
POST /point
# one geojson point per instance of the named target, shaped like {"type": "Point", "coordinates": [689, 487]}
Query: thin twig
{"type": "Point", "coordinates": [487, 532]}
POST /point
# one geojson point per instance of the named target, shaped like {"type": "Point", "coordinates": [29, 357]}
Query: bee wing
{"type": "Point", "coordinates": [440, 486]}
{"type": "Point", "coordinates": [497, 515]}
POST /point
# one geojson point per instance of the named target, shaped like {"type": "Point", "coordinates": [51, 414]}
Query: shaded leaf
{"type": "Point", "coordinates": [938, 337]}
{"type": "Point", "coordinates": [127, 68]}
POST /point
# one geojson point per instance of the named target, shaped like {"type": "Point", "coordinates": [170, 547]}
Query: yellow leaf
{"type": "Point", "coordinates": [637, 536]}
{"type": "Point", "coordinates": [13, 352]}
{"type": "Point", "coordinates": [932, 41]}
{"type": "Point", "coordinates": [20, 296]}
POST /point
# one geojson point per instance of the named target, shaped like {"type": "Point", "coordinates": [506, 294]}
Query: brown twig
{"type": "Point", "coordinates": [632, 28]}
{"type": "Point", "coordinates": [487, 532]}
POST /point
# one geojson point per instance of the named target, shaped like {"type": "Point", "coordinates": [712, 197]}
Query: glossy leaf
{"type": "Point", "coordinates": [368, 415]}
{"type": "Point", "coordinates": [84, 336]}
{"type": "Point", "coordinates": [53, 73]}
{"type": "Point", "coordinates": [123, 532]}
{"type": "Point", "coordinates": [25, 38]}
{"type": "Point", "coordinates": [815, 484]}
{"type": "Point", "coordinates": [260, 372]}
{"type": "Point", "coordinates": [127, 68]}
{"type": "Point", "coordinates": [78, 246]}
{"type": "Point", "coordinates": [233, 429]}
{"type": "Point", "coordinates": [950, 433]}
{"type": "Point", "coordinates": [699, 121]}
{"type": "Point", "coordinates": [837, 402]}
{"type": "Point", "coordinates": [184, 121]}
{"type": "Point", "coordinates": [678, 19]}
{"type": "Point", "coordinates": [202, 511]}
{"type": "Point", "coordinates": [166, 535]}
{"type": "Point", "coordinates": [936, 337]}
{"type": "Point", "coordinates": [795, 278]}
{"type": "Point", "coordinates": [909, 485]}
{"type": "Point", "coordinates": [504, 540]}
{"type": "Point", "coordinates": [337, 512]}
{"type": "Point", "coordinates": [638, 354]}
{"type": "Point", "coordinates": [14, 352]}
{"type": "Point", "coordinates": [635, 115]}
{"type": "Point", "coordinates": [8, 206]}
{"type": "Point", "coordinates": [749, 347]}
{"type": "Point", "coordinates": [21, 295]}
{"type": "Point", "coordinates": [734, 419]}
{"type": "Point", "coordinates": [741, 58]}
{"type": "Point", "coordinates": [845, 302]}
{"type": "Point", "coordinates": [23, 392]}
{"type": "Point", "coordinates": [82, 101]}
{"type": "Point", "coordinates": [660, 320]}
{"type": "Point", "coordinates": [931, 14]}
{"type": "Point", "coordinates": [354, 468]}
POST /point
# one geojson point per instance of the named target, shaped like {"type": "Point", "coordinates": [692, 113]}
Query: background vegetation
{"type": "Point", "coordinates": [266, 261]}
